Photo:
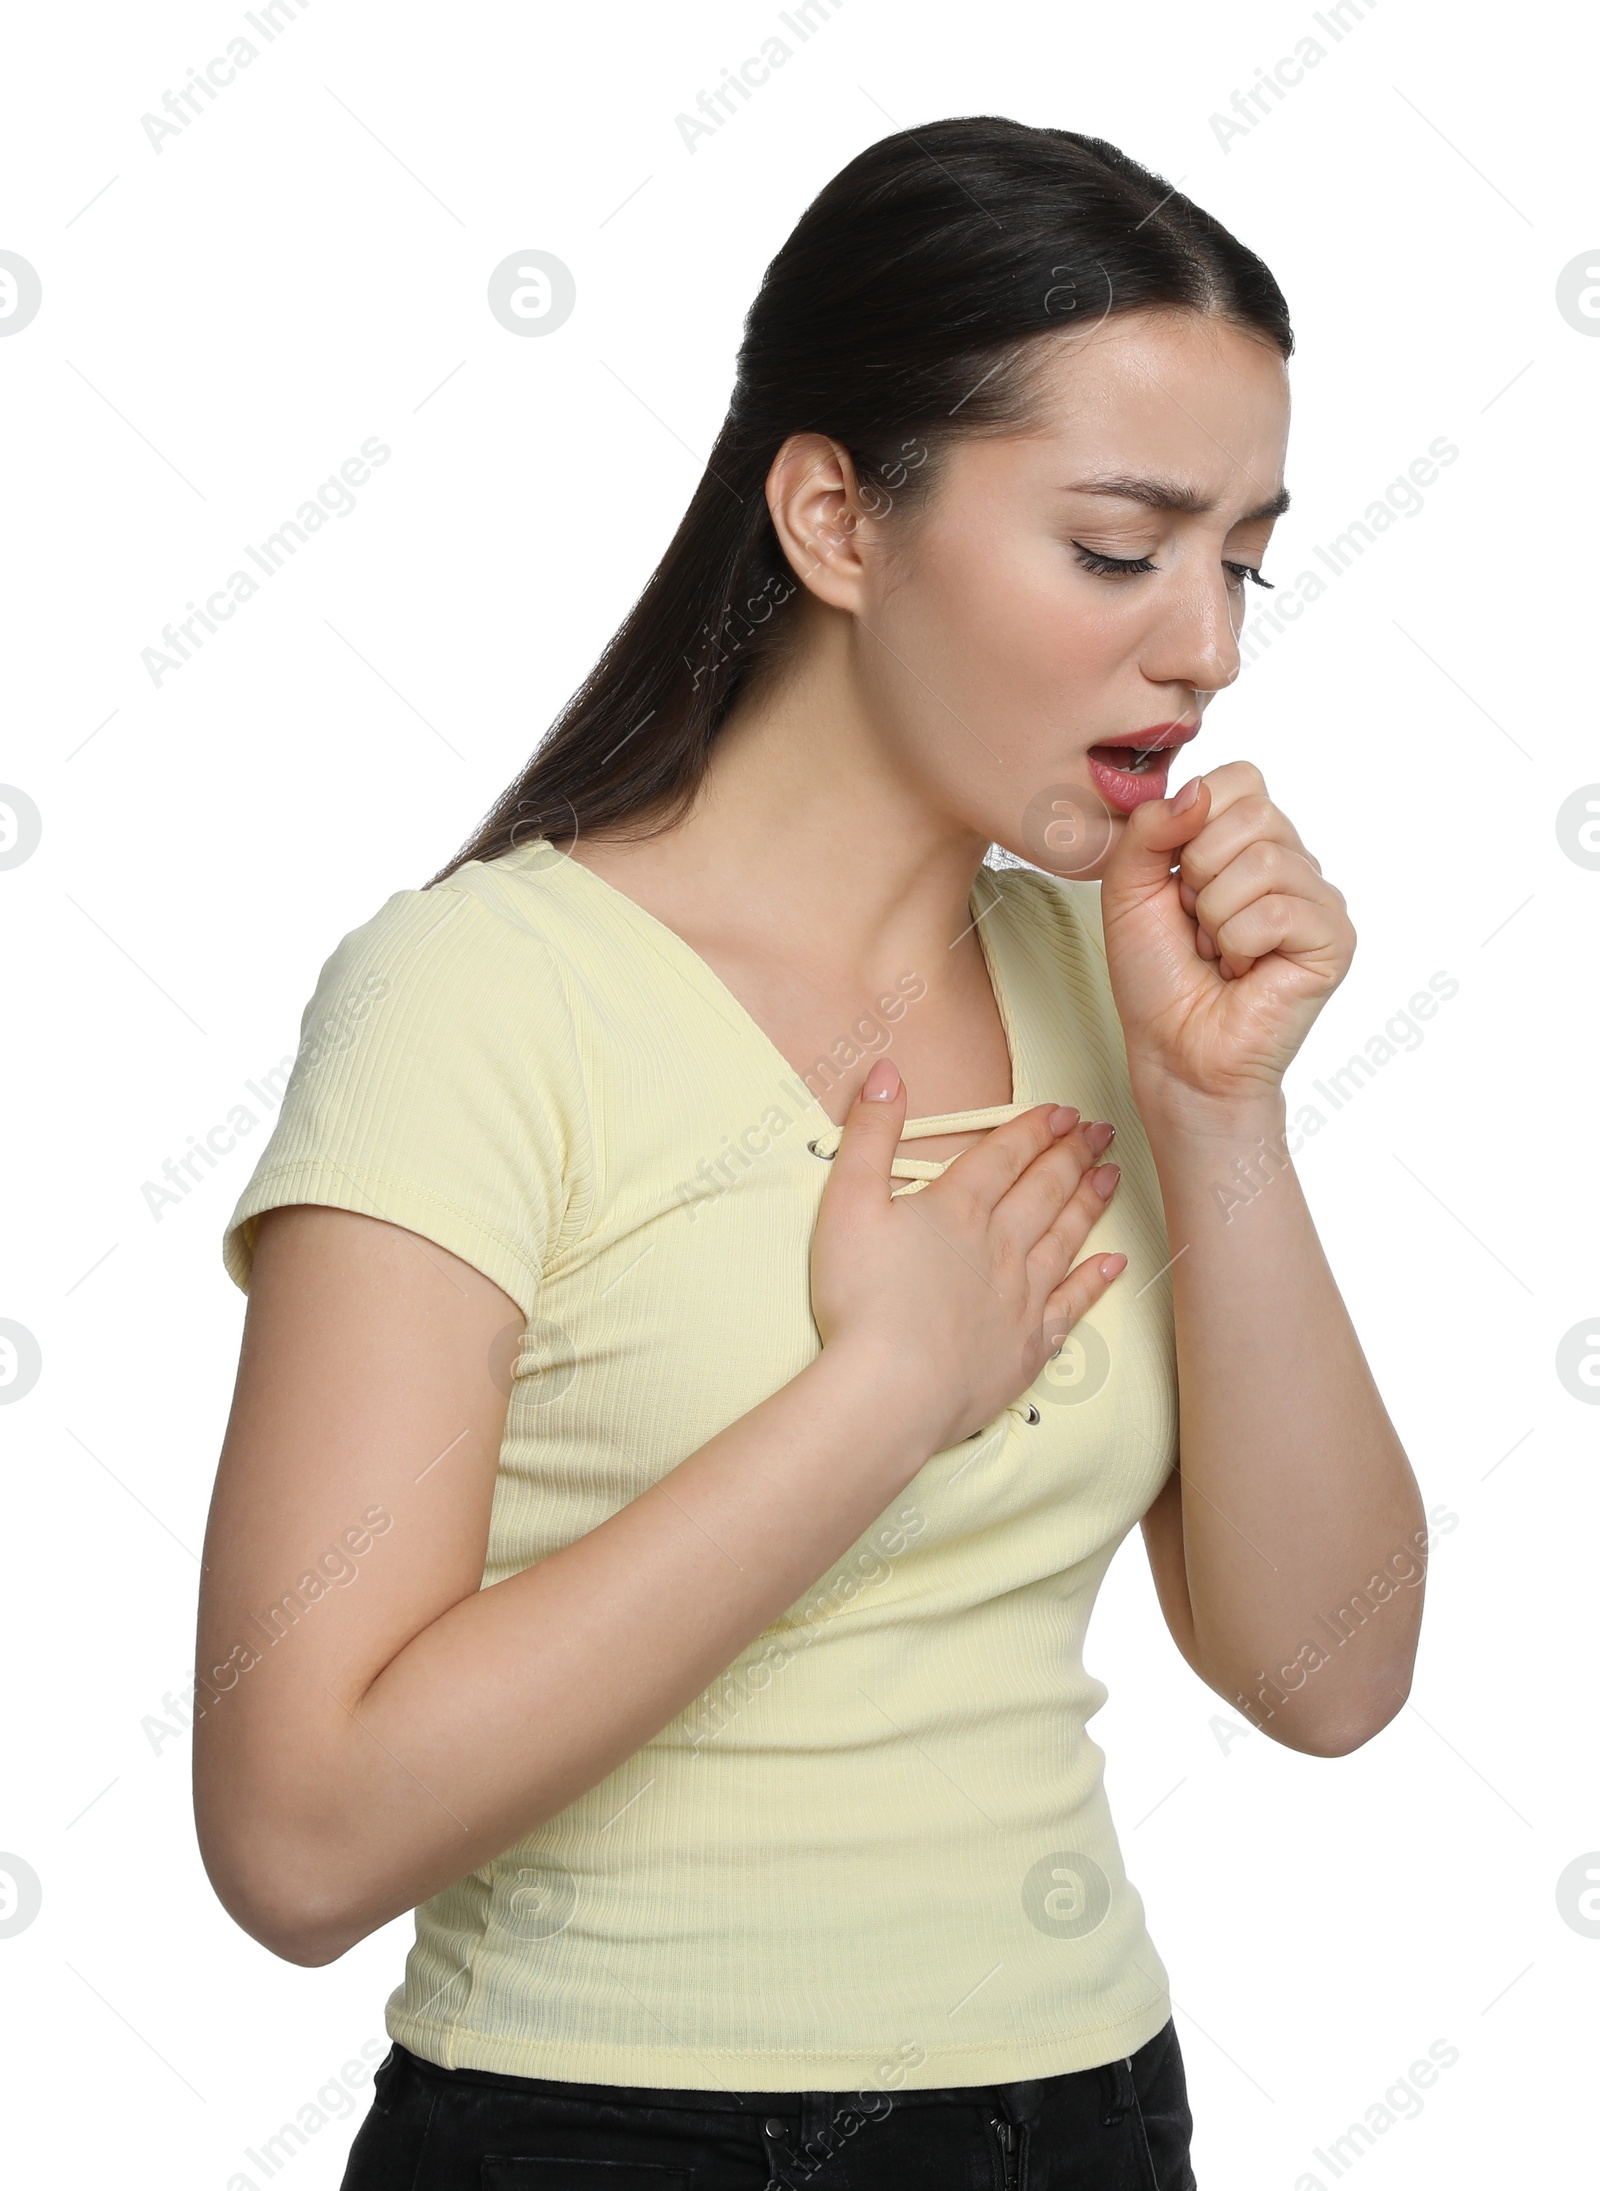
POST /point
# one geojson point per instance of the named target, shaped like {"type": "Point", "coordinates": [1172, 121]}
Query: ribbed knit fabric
{"type": "Point", "coordinates": [882, 1836]}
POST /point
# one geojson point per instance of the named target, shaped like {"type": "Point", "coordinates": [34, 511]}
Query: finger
{"type": "Point", "coordinates": [862, 1177]}
{"type": "Point", "coordinates": [1250, 818]}
{"type": "Point", "coordinates": [1051, 1255]}
{"type": "Point", "coordinates": [991, 1167]}
{"type": "Point", "coordinates": [1269, 874]}
{"type": "Point", "coordinates": [1077, 1294]}
{"type": "Point", "coordinates": [1032, 1206]}
{"type": "Point", "coordinates": [1266, 867]}
{"type": "Point", "coordinates": [1296, 926]}
{"type": "Point", "coordinates": [1142, 860]}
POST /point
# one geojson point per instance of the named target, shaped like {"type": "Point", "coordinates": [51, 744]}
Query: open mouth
{"type": "Point", "coordinates": [1132, 760]}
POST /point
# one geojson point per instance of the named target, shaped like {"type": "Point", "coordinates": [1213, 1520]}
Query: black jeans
{"type": "Point", "coordinates": [1122, 2127]}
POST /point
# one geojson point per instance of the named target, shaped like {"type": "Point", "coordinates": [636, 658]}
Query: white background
{"type": "Point", "coordinates": [224, 322]}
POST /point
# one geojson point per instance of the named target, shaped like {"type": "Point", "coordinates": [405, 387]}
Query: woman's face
{"type": "Point", "coordinates": [1078, 588]}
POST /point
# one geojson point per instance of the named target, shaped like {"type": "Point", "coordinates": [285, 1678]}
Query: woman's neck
{"type": "Point", "coordinates": [806, 841]}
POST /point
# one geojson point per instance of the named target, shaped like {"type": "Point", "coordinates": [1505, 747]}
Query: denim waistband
{"type": "Point", "coordinates": [1018, 2098]}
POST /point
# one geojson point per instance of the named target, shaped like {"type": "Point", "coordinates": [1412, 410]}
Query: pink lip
{"type": "Point", "coordinates": [1124, 789]}
{"type": "Point", "coordinates": [1158, 734]}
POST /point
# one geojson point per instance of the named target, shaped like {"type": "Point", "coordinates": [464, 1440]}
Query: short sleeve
{"type": "Point", "coordinates": [436, 1086]}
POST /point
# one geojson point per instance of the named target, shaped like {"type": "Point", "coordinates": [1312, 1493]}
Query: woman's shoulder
{"type": "Point", "coordinates": [475, 925]}
{"type": "Point", "coordinates": [438, 1085]}
{"type": "Point", "coordinates": [464, 972]}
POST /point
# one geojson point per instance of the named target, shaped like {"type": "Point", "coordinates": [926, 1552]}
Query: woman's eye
{"type": "Point", "coordinates": [1121, 566]}
{"type": "Point", "coordinates": [1111, 566]}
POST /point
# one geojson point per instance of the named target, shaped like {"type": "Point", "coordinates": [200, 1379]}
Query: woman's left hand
{"type": "Point", "coordinates": [1219, 969]}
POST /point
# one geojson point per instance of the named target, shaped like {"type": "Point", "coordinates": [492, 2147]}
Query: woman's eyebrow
{"type": "Point", "coordinates": [1171, 494]}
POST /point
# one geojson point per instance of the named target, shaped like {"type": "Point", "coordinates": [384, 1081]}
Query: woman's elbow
{"type": "Point", "coordinates": [1340, 1733]}
{"type": "Point", "coordinates": [307, 1937]}
{"type": "Point", "coordinates": [281, 1899]}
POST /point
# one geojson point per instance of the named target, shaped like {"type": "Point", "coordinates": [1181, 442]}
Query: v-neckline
{"type": "Point", "coordinates": [705, 978]}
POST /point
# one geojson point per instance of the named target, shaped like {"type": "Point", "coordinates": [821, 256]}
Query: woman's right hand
{"type": "Point", "coordinates": [960, 1293]}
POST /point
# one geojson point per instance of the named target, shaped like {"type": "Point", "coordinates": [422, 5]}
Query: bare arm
{"type": "Point", "coordinates": [1287, 1550]}
{"type": "Point", "coordinates": [407, 1725]}
{"type": "Point", "coordinates": [1294, 1494]}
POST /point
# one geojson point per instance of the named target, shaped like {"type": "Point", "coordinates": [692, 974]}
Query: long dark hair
{"type": "Point", "coordinates": [899, 315]}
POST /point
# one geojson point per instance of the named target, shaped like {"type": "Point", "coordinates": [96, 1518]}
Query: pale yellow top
{"type": "Point", "coordinates": [882, 1835]}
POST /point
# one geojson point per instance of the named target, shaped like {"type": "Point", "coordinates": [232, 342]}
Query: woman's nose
{"type": "Point", "coordinates": [1200, 648]}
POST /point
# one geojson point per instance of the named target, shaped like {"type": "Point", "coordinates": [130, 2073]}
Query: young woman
{"type": "Point", "coordinates": [678, 1442]}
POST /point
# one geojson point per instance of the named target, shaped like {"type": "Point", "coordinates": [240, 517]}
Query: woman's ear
{"type": "Point", "coordinates": [820, 516]}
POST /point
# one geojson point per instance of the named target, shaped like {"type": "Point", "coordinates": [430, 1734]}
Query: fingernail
{"type": "Point", "coordinates": [1099, 1135]}
{"type": "Point", "coordinates": [1063, 1118]}
{"type": "Point", "coordinates": [882, 1084]}
{"type": "Point", "coordinates": [1104, 1179]}
{"type": "Point", "coordinates": [1186, 797]}
{"type": "Point", "coordinates": [1111, 1264]}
